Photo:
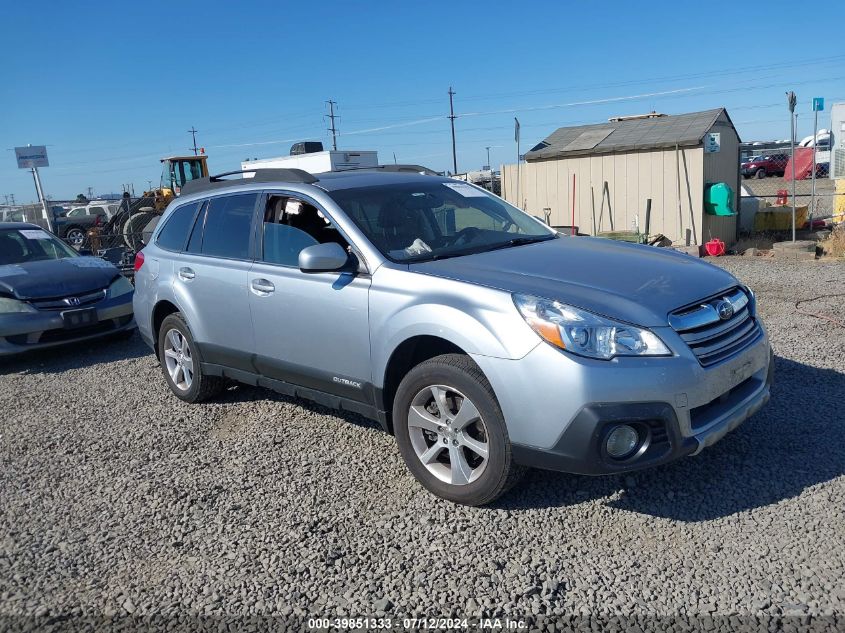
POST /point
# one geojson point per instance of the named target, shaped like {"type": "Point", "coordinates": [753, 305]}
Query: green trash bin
{"type": "Point", "coordinates": [718, 199]}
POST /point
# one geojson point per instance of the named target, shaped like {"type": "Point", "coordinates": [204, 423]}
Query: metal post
{"type": "Point", "coordinates": [791, 100]}
{"type": "Point", "coordinates": [40, 191]}
{"type": "Point", "coordinates": [813, 193]}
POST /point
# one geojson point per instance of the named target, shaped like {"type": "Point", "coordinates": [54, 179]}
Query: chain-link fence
{"type": "Point", "coordinates": [768, 183]}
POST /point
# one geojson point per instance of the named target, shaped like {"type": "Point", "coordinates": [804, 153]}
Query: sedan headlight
{"type": "Point", "coordinates": [13, 306]}
{"type": "Point", "coordinates": [585, 333]}
{"type": "Point", "coordinates": [120, 286]}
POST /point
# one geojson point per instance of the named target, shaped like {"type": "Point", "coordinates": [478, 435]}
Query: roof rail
{"type": "Point", "coordinates": [259, 175]}
{"type": "Point", "coordinates": [407, 168]}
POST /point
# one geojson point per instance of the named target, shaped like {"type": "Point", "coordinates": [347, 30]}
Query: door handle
{"type": "Point", "coordinates": [263, 286]}
{"type": "Point", "coordinates": [186, 274]}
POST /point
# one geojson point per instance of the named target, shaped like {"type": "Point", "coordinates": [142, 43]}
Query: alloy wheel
{"type": "Point", "coordinates": [448, 435]}
{"type": "Point", "coordinates": [76, 237]}
{"type": "Point", "coordinates": [178, 360]}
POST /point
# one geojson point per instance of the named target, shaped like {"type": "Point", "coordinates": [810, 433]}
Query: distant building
{"type": "Point", "coordinates": [668, 159]}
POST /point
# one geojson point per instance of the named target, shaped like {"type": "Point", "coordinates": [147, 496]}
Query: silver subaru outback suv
{"type": "Point", "coordinates": [482, 339]}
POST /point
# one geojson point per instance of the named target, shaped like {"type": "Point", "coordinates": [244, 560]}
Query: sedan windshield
{"type": "Point", "coordinates": [19, 246]}
{"type": "Point", "coordinates": [420, 221]}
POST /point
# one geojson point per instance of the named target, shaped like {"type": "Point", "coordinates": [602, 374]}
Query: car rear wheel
{"type": "Point", "coordinates": [181, 362]}
{"type": "Point", "coordinates": [760, 173]}
{"type": "Point", "coordinates": [451, 432]}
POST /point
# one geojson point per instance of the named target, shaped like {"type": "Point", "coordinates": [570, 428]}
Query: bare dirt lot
{"type": "Point", "coordinates": [122, 506]}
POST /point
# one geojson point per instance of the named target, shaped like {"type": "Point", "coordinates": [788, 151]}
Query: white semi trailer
{"type": "Point", "coordinates": [317, 162]}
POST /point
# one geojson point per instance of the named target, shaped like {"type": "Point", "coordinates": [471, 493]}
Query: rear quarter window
{"type": "Point", "coordinates": [174, 234]}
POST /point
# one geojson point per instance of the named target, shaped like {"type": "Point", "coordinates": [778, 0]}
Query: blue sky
{"type": "Point", "coordinates": [110, 87]}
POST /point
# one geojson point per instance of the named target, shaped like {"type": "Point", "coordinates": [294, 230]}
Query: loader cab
{"type": "Point", "coordinates": [177, 170]}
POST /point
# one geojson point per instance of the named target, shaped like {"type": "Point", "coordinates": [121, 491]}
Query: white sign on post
{"type": "Point", "coordinates": [32, 156]}
{"type": "Point", "coordinates": [712, 142]}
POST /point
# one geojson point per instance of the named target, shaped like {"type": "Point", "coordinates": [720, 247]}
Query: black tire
{"type": "Point", "coordinates": [202, 387]}
{"type": "Point", "coordinates": [461, 373]}
{"type": "Point", "coordinates": [75, 234]}
{"type": "Point", "coordinates": [760, 174]}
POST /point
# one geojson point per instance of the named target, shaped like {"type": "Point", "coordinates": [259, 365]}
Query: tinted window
{"type": "Point", "coordinates": [228, 224]}
{"type": "Point", "coordinates": [97, 211]}
{"type": "Point", "coordinates": [175, 231]}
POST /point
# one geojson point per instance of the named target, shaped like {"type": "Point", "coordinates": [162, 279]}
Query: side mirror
{"type": "Point", "coordinates": [323, 258]}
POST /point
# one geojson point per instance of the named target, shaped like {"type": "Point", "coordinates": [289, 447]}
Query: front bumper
{"type": "Point", "coordinates": [26, 331]}
{"type": "Point", "coordinates": [559, 409]}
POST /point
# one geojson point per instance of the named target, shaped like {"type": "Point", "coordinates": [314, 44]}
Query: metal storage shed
{"type": "Point", "coordinates": [653, 156]}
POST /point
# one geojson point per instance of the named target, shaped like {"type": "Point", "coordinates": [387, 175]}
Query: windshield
{"type": "Point", "coordinates": [427, 220]}
{"type": "Point", "coordinates": [754, 159]}
{"type": "Point", "coordinates": [19, 246]}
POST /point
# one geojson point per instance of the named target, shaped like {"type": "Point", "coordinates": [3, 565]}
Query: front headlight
{"type": "Point", "coordinates": [585, 333]}
{"type": "Point", "coordinates": [120, 286]}
{"type": "Point", "coordinates": [13, 306]}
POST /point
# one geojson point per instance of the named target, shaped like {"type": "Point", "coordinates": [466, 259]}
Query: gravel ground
{"type": "Point", "coordinates": [118, 499]}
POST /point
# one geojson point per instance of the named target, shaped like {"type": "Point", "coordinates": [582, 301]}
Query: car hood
{"type": "Point", "coordinates": [56, 277]}
{"type": "Point", "coordinates": [628, 282]}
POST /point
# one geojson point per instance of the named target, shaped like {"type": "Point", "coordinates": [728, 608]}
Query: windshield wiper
{"type": "Point", "coordinates": [519, 241]}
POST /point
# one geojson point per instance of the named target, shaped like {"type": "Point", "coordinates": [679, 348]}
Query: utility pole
{"type": "Point", "coordinates": [6, 195]}
{"type": "Point", "coordinates": [490, 167]}
{"type": "Point", "coordinates": [452, 118]}
{"type": "Point", "coordinates": [332, 117]}
{"type": "Point", "coordinates": [193, 134]}
{"type": "Point", "coordinates": [149, 185]}
{"type": "Point", "coordinates": [90, 192]}
{"type": "Point", "coordinates": [12, 196]}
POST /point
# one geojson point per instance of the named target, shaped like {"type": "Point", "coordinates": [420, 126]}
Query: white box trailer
{"type": "Point", "coordinates": [317, 162]}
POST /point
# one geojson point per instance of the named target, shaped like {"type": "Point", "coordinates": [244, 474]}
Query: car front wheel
{"type": "Point", "coordinates": [451, 432]}
{"type": "Point", "coordinates": [761, 173]}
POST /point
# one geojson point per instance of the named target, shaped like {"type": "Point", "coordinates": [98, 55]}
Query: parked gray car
{"type": "Point", "coordinates": [482, 339]}
{"type": "Point", "coordinates": [50, 295]}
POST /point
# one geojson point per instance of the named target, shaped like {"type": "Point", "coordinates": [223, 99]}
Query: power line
{"type": "Point", "coordinates": [332, 128]}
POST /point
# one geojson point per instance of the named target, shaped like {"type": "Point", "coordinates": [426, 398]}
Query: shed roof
{"type": "Point", "coordinates": [661, 132]}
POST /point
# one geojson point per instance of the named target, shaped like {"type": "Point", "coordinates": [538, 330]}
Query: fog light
{"type": "Point", "coordinates": [622, 441]}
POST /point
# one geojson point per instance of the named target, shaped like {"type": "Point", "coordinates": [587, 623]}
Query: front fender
{"type": "Point", "coordinates": [481, 321]}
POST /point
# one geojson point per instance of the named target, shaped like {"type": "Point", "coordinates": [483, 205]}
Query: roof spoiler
{"type": "Point", "coordinates": [259, 175]}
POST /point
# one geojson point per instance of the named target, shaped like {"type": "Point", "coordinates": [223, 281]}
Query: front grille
{"type": "Point", "coordinates": [711, 337]}
{"type": "Point", "coordinates": [70, 302]}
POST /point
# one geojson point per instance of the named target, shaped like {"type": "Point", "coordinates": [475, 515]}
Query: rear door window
{"type": "Point", "coordinates": [227, 227]}
{"type": "Point", "coordinates": [175, 232]}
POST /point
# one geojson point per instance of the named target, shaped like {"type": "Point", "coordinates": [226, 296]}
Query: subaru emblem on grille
{"type": "Point", "coordinates": [72, 301]}
{"type": "Point", "coordinates": [725, 310]}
